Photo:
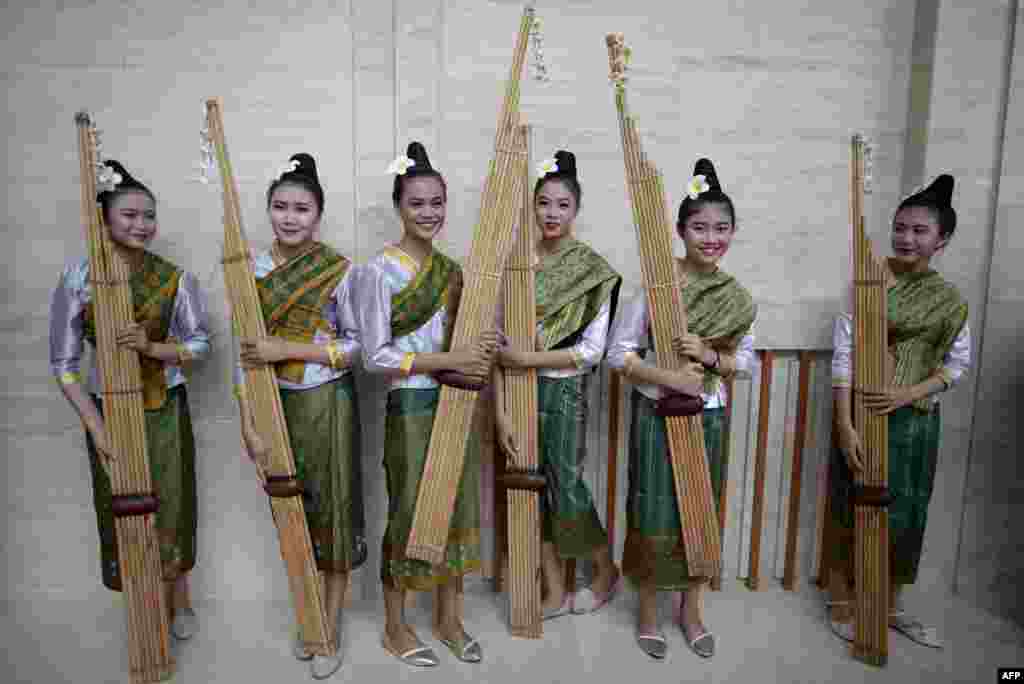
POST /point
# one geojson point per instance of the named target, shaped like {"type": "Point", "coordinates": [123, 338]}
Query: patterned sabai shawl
{"type": "Point", "coordinates": [572, 285]}
{"type": "Point", "coordinates": [293, 297]}
{"type": "Point", "coordinates": [720, 311]}
{"type": "Point", "coordinates": [154, 289]}
{"type": "Point", "coordinates": [438, 283]}
{"type": "Point", "coordinates": [926, 313]}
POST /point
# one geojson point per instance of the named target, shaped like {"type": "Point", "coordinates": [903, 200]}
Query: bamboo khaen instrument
{"type": "Point", "coordinates": [700, 540]}
{"type": "Point", "coordinates": [492, 241]}
{"type": "Point", "coordinates": [764, 412]}
{"type": "Point", "coordinates": [800, 439]}
{"type": "Point", "coordinates": [277, 471]}
{"type": "Point", "coordinates": [522, 481]}
{"type": "Point", "coordinates": [134, 501]}
{"type": "Point", "coordinates": [871, 372]}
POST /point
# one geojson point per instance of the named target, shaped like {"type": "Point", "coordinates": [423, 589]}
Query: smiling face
{"type": "Point", "coordinates": [555, 207]}
{"type": "Point", "coordinates": [422, 207]}
{"type": "Point", "coordinates": [707, 234]}
{"type": "Point", "coordinates": [916, 236]}
{"type": "Point", "coordinates": [294, 216]}
{"type": "Point", "coordinates": [131, 218]}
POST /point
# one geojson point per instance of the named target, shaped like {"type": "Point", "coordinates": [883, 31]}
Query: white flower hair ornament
{"type": "Point", "coordinates": [547, 166]}
{"type": "Point", "coordinates": [287, 168]}
{"type": "Point", "coordinates": [697, 186]}
{"type": "Point", "coordinates": [400, 165]}
{"type": "Point", "coordinates": [107, 179]}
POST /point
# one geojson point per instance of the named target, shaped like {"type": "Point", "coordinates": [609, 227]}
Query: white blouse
{"type": "Point", "coordinates": [339, 314]}
{"type": "Point", "coordinates": [589, 349]}
{"type": "Point", "coordinates": [632, 334]}
{"type": "Point", "coordinates": [955, 363]}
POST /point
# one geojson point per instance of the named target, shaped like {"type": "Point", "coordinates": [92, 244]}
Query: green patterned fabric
{"type": "Point", "coordinates": [925, 314]}
{"type": "Point", "coordinates": [436, 284]}
{"type": "Point", "coordinates": [570, 519]}
{"type": "Point", "coordinates": [154, 289]}
{"type": "Point", "coordinates": [913, 456]}
{"type": "Point", "coordinates": [323, 428]}
{"type": "Point", "coordinates": [410, 420]}
{"type": "Point", "coordinates": [653, 553]}
{"type": "Point", "coordinates": [172, 465]}
{"type": "Point", "coordinates": [572, 285]}
{"type": "Point", "coordinates": [293, 297]}
{"type": "Point", "coordinates": [720, 311]}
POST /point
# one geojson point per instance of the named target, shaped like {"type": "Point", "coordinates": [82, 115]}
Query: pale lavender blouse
{"type": "Point", "coordinates": [189, 324]}
{"type": "Point", "coordinates": [339, 314]}
{"type": "Point", "coordinates": [387, 273]}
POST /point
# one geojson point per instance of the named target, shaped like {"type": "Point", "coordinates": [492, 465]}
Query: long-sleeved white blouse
{"type": "Point", "coordinates": [631, 333]}
{"type": "Point", "coordinates": [955, 363]}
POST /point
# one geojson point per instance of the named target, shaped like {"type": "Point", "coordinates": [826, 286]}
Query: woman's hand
{"type": "Point", "coordinates": [258, 352]}
{"type": "Point", "coordinates": [98, 433]}
{"type": "Point", "coordinates": [849, 444]}
{"type": "Point", "coordinates": [691, 346]}
{"type": "Point", "coordinates": [506, 438]}
{"type": "Point", "coordinates": [889, 399]}
{"type": "Point", "coordinates": [255, 447]}
{"type": "Point", "coordinates": [134, 337]}
{"type": "Point", "coordinates": [689, 379]}
{"type": "Point", "coordinates": [476, 361]}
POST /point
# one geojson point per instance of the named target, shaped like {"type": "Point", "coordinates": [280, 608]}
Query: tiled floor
{"type": "Point", "coordinates": [769, 636]}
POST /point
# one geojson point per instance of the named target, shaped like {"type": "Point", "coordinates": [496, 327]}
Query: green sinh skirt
{"type": "Point", "coordinates": [323, 427]}
{"type": "Point", "coordinates": [570, 520]}
{"type": "Point", "coordinates": [410, 419]}
{"type": "Point", "coordinates": [653, 552]}
{"type": "Point", "coordinates": [913, 455]}
{"type": "Point", "coordinates": [172, 466]}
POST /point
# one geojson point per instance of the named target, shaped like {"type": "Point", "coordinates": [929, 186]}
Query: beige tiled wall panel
{"type": "Point", "coordinates": [771, 91]}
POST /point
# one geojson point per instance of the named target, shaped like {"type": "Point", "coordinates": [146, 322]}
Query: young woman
{"type": "Point", "coordinates": [169, 333]}
{"type": "Point", "coordinates": [408, 297]}
{"type": "Point", "coordinates": [720, 313]}
{"type": "Point", "coordinates": [312, 341]}
{"type": "Point", "coordinates": [576, 293]}
{"type": "Point", "coordinates": [930, 340]}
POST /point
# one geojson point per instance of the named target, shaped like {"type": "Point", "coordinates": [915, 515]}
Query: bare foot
{"type": "Point", "coordinates": [401, 638]}
{"type": "Point", "coordinates": [604, 578]}
{"type": "Point", "coordinates": [554, 600]}
{"type": "Point", "coordinates": [451, 630]}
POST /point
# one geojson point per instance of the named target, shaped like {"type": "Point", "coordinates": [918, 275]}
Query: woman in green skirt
{"type": "Point", "coordinates": [170, 332]}
{"type": "Point", "coordinates": [304, 289]}
{"type": "Point", "coordinates": [720, 313]}
{"type": "Point", "coordinates": [407, 298]}
{"type": "Point", "coordinates": [576, 294]}
{"type": "Point", "coordinates": [930, 340]}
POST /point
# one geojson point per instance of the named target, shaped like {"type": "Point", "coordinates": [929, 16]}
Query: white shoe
{"type": "Point", "coordinates": [185, 624]}
{"type": "Point", "coordinates": [323, 667]}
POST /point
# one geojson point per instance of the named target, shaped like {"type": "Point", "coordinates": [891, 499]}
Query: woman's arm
{"type": "Point", "coordinates": [583, 355]}
{"type": "Point", "coordinates": [629, 329]}
{"type": "Point", "coordinates": [67, 319]}
{"type": "Point", "coordinates": [381, 356]}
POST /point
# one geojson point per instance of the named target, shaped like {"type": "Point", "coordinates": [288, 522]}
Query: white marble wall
{"type": "Point", "coordinates": [990, 561]}
{"type": "Point", "coordinates": [771, 91]}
